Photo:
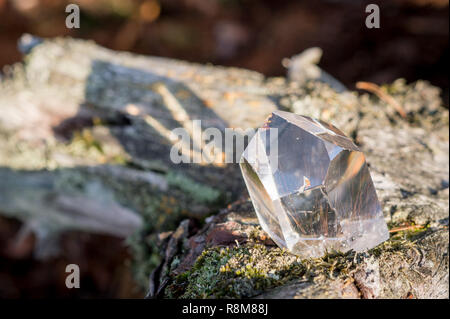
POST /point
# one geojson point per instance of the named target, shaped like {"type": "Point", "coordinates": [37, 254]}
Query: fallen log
{"type": "Point", "coordinates": [85, 145]}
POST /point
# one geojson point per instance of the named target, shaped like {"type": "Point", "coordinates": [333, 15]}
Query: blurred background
{"type": "Point", "coordinates": [412, 43]}
{"type": "Point", "coordinates": [255, 34]}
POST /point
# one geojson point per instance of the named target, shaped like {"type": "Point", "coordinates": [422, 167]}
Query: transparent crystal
{"type": "Point", "coordinates": [311, 187]}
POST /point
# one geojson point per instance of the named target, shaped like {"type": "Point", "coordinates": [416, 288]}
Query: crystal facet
{"type": "Point", "coordinates": [311, 187]}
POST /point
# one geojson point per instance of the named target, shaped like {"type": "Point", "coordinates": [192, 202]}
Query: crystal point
{"type": "Point", "coordinates": [311, 187]}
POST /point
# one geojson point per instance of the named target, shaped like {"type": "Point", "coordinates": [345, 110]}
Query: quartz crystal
{"type": "Point", "coordinates": [311, 187]}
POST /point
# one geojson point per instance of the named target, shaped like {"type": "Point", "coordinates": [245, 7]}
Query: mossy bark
{"type": "Point", "coordinates": [78, 151]}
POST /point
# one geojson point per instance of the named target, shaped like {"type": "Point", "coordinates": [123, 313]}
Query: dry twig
{"type": "Point", "coordinates": [375, 89]}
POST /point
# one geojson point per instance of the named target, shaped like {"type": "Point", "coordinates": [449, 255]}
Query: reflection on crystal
{"type": "Point", "coordinates": [312, 192]}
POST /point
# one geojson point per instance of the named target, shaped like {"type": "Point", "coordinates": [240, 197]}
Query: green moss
{"type": "Point", "coordinates": [417, 233]}
{"type": "Point", "coordinates": [83, 149]}
{"type": "Point", "coordinates": [409, 230]}
{"type": "Point", "coordinates": [248, 270]}
{"type": "Point", "coordinates": [200, 193]}
{"type": "Point", "coordinates": [86, 144]}
{"type": "Point", "coordinates": [146, 257]}
{"type": "Point", "coordinates": [160, 211]}
{"type": "Point", "coordinates": [395, 244]}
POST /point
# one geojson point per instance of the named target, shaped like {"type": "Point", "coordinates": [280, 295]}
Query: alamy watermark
{"type": "Point", "coordinates": [73, 18]}
{"type": "Point", "coordinates": [73, 279]}
{"type": "Point", "coordinates": [212, 145]}
{"type": "Point", "coordinates": [373, 19]}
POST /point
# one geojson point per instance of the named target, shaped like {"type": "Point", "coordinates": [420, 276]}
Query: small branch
{"type": "Point", "coordinates": [375, 89]}
{"type": "Point", "coordinates": [412, 227]}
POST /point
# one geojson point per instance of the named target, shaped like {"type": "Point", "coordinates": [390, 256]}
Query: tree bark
{"type": "Point", "coordinates": [85, 144]}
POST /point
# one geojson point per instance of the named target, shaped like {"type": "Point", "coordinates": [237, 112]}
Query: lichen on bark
{"type": "Point", "coordinates": [74, 139]}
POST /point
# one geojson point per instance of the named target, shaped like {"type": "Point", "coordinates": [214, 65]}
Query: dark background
{"type": "Point", "coordinates": [256, 34]}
